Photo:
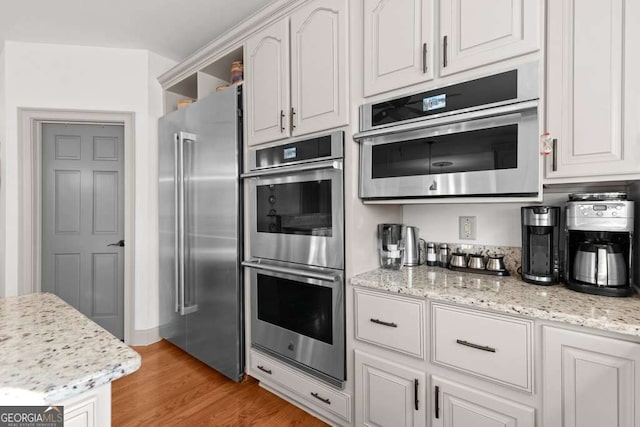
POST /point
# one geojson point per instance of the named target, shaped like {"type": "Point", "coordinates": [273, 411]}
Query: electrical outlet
{"type": "Point", "coordinates": [467, 227]}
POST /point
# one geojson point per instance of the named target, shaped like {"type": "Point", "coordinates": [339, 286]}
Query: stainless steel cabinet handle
{"type": "Point", "coordinates": [445, 45]}
{"type": "Point", "coordinates": [380, 322]}
{"type": "Point", "coordinates": [292, 118]}
{"type": "Point", "coordinates": [424, 58]}
{"type": "Point", "coordinates": [322, 399]}
{"type": "Point", "coordinates": [291, 271]}
{"type": "Point", "coordinates": [437, 404]}
{"type": "Point", "coordinates": [416, 402]}
{"type": "Point", "coordinates": [554, 159]}
{"type": "Point", "coordinates": [263, 369]}
{"type": "Point", "coordinates": [281, 121]}
{"type": "Point", "coordinates": [476, 346]}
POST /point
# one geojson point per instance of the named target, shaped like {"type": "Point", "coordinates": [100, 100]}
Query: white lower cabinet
{"type": "Point", "coordinates": [332, 404]}
{"type": "Point", "coordinates": [590, 380]}
{"type": "Point", "coordinates": [457, 405]}
{"type": "Point", "coordinates": [388, 394]}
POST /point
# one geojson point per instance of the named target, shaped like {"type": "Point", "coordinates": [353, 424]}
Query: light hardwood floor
{"type": "Point", "coordinates": [174, 389]}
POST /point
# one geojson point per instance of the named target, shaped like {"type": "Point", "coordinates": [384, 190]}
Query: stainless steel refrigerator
{"type": "Point", "coordinates": [201, 230]}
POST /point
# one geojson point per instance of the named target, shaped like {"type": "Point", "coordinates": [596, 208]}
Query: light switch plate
{"type": "Point", "coordinates": [467, 227]}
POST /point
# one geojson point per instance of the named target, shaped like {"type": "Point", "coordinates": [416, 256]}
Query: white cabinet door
{"type": "Point", "coordinates": [592, 72]}
{"type": "Point", "coordinates": [398, 44]}
{"type": "Point", "coordinates": [319, 93]}
{"type": "Point", "coordinates": [457, 405]}
{"type": "Point", "coordinates": [590, 381]}
{"type": "Point", "coordinates": [479, 32]}
{"type": "Point", "coordinates": [267, 84]}
{"type": "Point", "coordinates": [388, 394]}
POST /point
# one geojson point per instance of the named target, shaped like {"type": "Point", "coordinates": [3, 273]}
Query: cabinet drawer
{"type": "Point", "coordinates": [304, 388]}
{"type": "Point", "coordinates": [495, 347]}
{"type": "Point", "coordinates": [390, 321]}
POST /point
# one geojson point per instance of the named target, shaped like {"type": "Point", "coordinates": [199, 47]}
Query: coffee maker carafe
{"type": "Point", "coordinates": [600, 243]}
{"type": "Point", "coordinates": [540, 244]}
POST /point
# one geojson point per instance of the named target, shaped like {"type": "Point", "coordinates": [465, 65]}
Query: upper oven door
{"type": "Point", "coordinates": [297, 214]}
{"type": "Point", "coordinates": [486, 154]}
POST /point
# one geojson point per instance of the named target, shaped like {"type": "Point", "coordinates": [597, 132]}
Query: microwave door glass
{"type": "Point", "coordinates": [485, 149]}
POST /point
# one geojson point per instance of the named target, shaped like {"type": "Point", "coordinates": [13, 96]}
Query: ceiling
{"type": "Point", "coordinates": [171, 28]}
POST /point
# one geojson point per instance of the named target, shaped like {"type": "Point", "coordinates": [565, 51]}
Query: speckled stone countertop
{"type": "Point", "coordinates": [51, 351]}
{"type": "Point", "coordinates": [509, 295]}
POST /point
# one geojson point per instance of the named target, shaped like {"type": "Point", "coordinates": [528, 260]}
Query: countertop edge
{"type": "Point", "coordinates": [89, 382]}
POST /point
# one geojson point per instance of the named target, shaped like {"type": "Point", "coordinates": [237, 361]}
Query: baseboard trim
{"type": "Point", "coordinates": [145, 336]}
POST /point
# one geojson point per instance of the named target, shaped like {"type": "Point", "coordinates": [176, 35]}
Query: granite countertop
{"type": "Point", "coordinates": [49, 351]}
{"type": "Point", "coordinates": [509, 295]}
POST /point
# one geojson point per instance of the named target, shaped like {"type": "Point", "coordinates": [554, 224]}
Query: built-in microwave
{"type": "Point", "coordinates": [476, 138]}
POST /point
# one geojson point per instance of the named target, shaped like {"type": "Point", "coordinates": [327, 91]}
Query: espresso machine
{"type": "Point", "coordinates": [540, 244]}
{"type": "Point", "coordinates": [599, 255]}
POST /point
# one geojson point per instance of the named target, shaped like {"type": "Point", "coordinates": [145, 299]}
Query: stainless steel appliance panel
{"type": "Point", "coordinates": [297, 214]}
{"type": "Point", "coordinates": [206, 290]}
{"type": "Point", "coordinates": [173, 325]}
{"type": "Point", "coordinates": [297, 314]}
{"type": "Point", "coordinates": [481, 180]}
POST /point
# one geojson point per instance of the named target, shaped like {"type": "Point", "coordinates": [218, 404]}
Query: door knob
{"type": "Point", "coordinates": [119, 243]}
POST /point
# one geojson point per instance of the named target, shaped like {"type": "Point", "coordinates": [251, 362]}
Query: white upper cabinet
{"type": "Point", "coordinates": [297, 77]}
{"type": "Point", "coordinates": [479, 32]}
{"type": "Point", "coordinates": [592, 89]}
{"type": "Point", "coordinates": [267, 85]}
{"type": "Point", "coordinates": [319, 95]}
{"type": "Point", "coordinates": [398, 44]}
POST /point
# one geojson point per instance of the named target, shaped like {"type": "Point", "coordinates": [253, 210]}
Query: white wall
{"type": "Point", "coordinates": [87, 78]}
{"type": "Point", "coordinates": [2, 175]}
{"type": "Point", "coordinates": [498, 224]}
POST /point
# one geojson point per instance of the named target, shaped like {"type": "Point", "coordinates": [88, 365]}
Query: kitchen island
{"type": "Point", "coordinates": [50, 353]}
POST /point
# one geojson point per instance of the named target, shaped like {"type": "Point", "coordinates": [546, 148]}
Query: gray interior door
{"type": "Point", "coordinates": [82, 217]}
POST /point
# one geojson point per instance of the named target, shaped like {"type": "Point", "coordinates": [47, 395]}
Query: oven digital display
{"type": "Point", "coordinates": [434, 102]}
{"type": "Point", "coordinates": [289, 153]}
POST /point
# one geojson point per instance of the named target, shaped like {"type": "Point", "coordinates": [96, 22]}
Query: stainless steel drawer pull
{"type": "Point", "coordinates": [263, 369]}
{"type": "Point", "coordinates": [380, 322]}
{"type": "Point", "coordinates": [322, 399]}
{"type": "Point", "coordinates": [477, 346]}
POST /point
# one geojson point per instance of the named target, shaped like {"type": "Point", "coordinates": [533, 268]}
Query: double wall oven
{"type": "Point", "coordinates": [296, 212]}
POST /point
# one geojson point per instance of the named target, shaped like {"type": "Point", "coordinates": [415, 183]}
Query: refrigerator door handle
{"type": "Point", "coordinates": [184, 309]}
{"type": "Point", "coordinates": [176, 213]}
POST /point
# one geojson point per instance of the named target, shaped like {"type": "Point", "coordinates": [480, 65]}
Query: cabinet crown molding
{"type": "Point", "coordinates": [228, 41]}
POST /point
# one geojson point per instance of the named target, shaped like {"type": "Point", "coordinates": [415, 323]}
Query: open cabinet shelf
{"type": "Point", "coordinates": [203, 82]}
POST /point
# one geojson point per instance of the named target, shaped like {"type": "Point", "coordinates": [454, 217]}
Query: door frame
{"type": "Point", "coordinates": [30, 192]}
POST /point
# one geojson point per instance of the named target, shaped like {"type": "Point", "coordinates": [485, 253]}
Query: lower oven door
{"type": "Point", "coordinates": [297, 315]}
{"type": "Point", "coordinates": [487, 154]}
{"type": "Point", "coordinates": [296, 214]}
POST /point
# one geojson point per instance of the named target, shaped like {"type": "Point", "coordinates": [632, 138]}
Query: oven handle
{"type": "Point", "coordinates": [326, 164]}
{"type": "Point", "coordinates": [292, 271]}
{"type": "Point", "coordinates": [450, 119]}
